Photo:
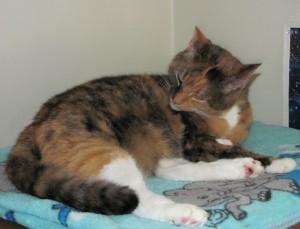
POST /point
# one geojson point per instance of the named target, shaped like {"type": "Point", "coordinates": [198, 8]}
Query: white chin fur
{"type": "Point", "coordinates": [173, 106]}
{"type": "Point", "coordinates": [284, 165]}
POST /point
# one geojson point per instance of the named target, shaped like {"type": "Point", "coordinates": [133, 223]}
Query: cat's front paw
{"type": "Point", "coordinates": [186, 215]}
{"type": "Point", "coordinates": [242, 168]}
{"type": "Point", "coordinates": [283, 165]}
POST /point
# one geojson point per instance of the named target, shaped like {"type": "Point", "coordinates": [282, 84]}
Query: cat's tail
{"type": "Point", "coordinates": [104, 197]}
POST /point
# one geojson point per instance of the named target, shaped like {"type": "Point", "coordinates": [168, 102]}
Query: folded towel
{"type": "Point", "coordinates": [268, 201]}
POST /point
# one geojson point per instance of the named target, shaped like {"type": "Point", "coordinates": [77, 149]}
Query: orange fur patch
{"type": "Point", "coordinates": [220, 128]}
{"type": "Point", "coordinates": [86, 158]}
{"type": "Point", "coordinates": [147, 147]}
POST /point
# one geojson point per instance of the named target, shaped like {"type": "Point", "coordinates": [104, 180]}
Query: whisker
{"type": "Point", "coordinates": [165, 83]}
{"type": "Point", "coordinates": [177, 78]}
{"type": "Point", "coordinates": [200, 112]}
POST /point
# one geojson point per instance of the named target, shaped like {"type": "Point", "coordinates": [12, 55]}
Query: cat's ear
{"type": "Point", "coordinates": [241, 80]}
{"type": "Point", "coordinates": [198, 38]}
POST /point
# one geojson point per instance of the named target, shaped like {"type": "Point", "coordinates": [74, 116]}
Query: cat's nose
{"type": "Point", "coordinates": [182, 98]}
{"type": "Point", "coordinates": [173, 105]}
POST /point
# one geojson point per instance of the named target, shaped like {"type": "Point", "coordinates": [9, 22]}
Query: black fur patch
{"type": "Point", "coordinates": [91, 124]}
{"type": "Point", "coordinates": [121, 126]}
{"type": "Point", "coordinates": [36, 152]}
{"type": "Point", "coordinates": [99, 197]}
{"type": "Point", "coordinates": [265, 161]}
{"type": "Point", "coordinates": [19, 168]}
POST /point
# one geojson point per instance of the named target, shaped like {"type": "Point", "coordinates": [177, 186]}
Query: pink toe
{"type": "Point", "coordinates": [195, 222]}
{"type": "Point", "coordinates": [184, 220]}
{"type": "Point", "coordinates": [248, 170]}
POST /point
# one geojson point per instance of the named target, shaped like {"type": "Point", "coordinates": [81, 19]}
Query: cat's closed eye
{"type": "Point", "coordinates": [198, 97]}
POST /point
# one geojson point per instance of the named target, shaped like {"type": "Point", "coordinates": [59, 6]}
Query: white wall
{"type": "Point", "coordinates": [50, 45]}
{"type": "Point", "coordinates": [47, 46]}
{"type": "Point", "coordinates": [253, 31]}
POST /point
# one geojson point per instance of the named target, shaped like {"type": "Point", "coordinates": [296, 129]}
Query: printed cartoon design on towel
{"type": "Point", "coordinates": [10, 216]}
{"type": "Point", "coordinates": [5, 184]}
{"type": "Point", "coordinates": [216, 216]}
{"type": "Point", "coordinates": [291, 151]}
{"type": "Point", "coordinates": [221, 199]}
{"type": "Point", "coordinates": [64, 212]}
{"type": "Point", "coordinates": [231, 194]}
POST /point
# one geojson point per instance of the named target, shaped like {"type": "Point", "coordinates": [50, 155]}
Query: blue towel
{"type": "Point", "coordinates": [268, 201]}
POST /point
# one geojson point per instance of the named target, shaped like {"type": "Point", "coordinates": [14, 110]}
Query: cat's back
{"type": "Point", "coordinates": [110, 95]}
{"type": "Point", "coordinates": [104, 107]}
{"type": "Point", "coordinates": [131, 112]}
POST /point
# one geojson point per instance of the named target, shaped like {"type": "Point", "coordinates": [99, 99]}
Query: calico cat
{"type": "Point", "coordinates": [90, 146]}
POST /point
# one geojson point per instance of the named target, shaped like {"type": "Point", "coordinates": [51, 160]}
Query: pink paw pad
{"type": "Point", "coordinates": [248, 170]}
{"type": "Point", "coordinates": [184, 220]}
{"type": "Point", "coordinates": [194, 222]}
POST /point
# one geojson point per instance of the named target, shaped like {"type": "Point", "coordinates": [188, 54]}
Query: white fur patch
{"type": "Point", "coordinates": [228, 169]}
{"type": "Point", "coordinates": [123, 171]}
{"type": "Point", "coordinates": [232, 116]}
{"type": "Point", "coordinates": [283, 165]}
{"type": "Point", "coordinates": [224, 141]}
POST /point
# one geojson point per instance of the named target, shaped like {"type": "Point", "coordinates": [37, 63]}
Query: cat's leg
{"type": "Point", "coordinates": [271, 164]}
{"type": "Point", "coordinates": [224, 169]}
{"type": "Point", "coordinates": [212, 149]}
{"type": "Point", "coordinates": [123, 171]}
{"type": "Point", "coordinates": [208, 148]}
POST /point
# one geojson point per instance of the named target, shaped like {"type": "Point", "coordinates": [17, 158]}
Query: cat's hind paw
{"type": "Point", "coordinates": [283, 165]}
{"type": "Point", "coordinates": [186, 215]}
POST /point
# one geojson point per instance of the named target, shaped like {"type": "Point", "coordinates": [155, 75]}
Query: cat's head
{"type": "Point", "coordinates": [209, 79]}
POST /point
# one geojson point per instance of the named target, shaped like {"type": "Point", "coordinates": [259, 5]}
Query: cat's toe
{"type": "Point", "coordinates": [283, 165]}
{"type": "Point", "coordinates": [187, 215]}
{"type": "Point", "coordinates": [242, 168]}
{"type": "Point", "coordinates": [252, 168]}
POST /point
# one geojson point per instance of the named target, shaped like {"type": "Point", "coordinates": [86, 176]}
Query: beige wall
{"type": "Point", "coordinates": [47, 46]}
{"type": "Point", "coordinates": [50, 45]}
{"type": "Point", "coordinates": [253, 31]}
